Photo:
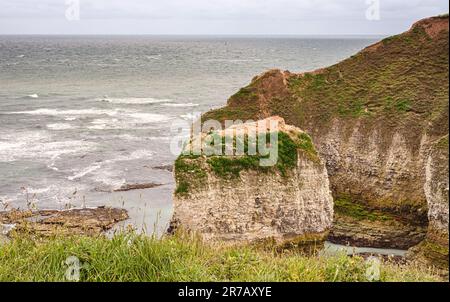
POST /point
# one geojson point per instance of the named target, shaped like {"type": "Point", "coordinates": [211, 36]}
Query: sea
{"type": "Point", "coordinates": [83, 116]}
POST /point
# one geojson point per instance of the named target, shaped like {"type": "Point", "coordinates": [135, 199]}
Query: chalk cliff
{"type": "Point", "coordinates": [234, 199]}
{"type": "Point", "coordinates": [374, 119]}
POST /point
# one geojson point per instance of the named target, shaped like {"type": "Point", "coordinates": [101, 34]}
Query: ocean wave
{"type": "Point", "coordinates": [144, 118]}
{"type": "Point", "coordinates": [191, 116]}
{"type": "Point", "coordinates": [101, 123]}
{"type": "Point", "coordinates": [103, 172]}
{"type": "Point", "coordinates": [134, 101]}
{"type": "Point", "coordinates": [153, 57]}
{"type": "Point", "coordinates": [33, 96]}
{"type": "Point", "coordinates": [158, 138]}
{"type": "Point", "coordinates": [57, 112]}
{"type": "Point", "coordinates": [39, 145]}
{"type": "Point", "coordinates": [31, 190]}
{"type": "Point", "coordinates": [137, 154]}
{"type": "Point", "coordinates": [109, 176]}
{"type": "Point", "coordinates": [110, 180]}
{"type": "Point", "coordinates": [84, 172]}
{"type": "Point", "coordinates": [128, 121]}
{"type": "Point", "coordinates": [60, 126]}
{"type": "Point", "coordinates": [120, 118]}
{"type": "Point", "coordinates": [181, 105]}
{"type": "Point", "coordinates": [224, 60]}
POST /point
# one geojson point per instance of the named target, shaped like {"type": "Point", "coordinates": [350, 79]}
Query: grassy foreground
{"type": "Point", "coordinates": [130, 257]}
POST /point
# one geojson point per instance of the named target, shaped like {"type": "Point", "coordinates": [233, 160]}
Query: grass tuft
{"type": "Point", "coordinates": [129, 257]}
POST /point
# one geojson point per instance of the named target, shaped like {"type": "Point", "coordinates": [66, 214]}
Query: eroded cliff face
{"type": "Point", "coordinates": [387, 179]}
{"type": "Point", "coordinates": [434, 249]}
{"type": "Point", "coordinates": [374, 118]}
{"type": "Point", "coordinates": [436, 185]}
{"type": "Point", "coordinates": [236, 202]}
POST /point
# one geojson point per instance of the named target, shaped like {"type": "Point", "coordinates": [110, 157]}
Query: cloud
{"type": "Point", "coordinates": [315, 15]}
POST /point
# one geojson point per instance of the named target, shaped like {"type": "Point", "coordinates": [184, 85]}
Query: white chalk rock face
{"type": "Point", "coordinates": [232, 198]}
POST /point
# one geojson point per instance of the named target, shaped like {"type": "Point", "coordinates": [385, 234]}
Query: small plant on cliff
{"type": "Point", "coordinates": [189, 168]}
{"type": "Point", "coordinates": [443, 142]}
{"type": "Point", "coordinates": [230, 167]}
{"type": "Point", "coordinates": [345, 206]}
{"type": "Point", "coordinates": [187, 172]}
{"type": "Point", "coordinates": [305, 143]}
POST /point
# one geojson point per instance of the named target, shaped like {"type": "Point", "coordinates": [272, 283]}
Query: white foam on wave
{"type": "Point", "coordinates": [31, 190]}
{"type": "Point", "coordinates": [158, 138]}
{"type": "Point", "coordinates": [58, 148]}
{"type": "Point", "coordinates": [110, 175]}
{"type": "Point", "coordinates": [102, 172]}
{"type": "Point", "coordinates": [33, 96]}
{"type": "Point", "coordinates": [181, 105]}
{"type": "Point", "coordinates": [120, 118]}
{"type": "Point", "coordinates": [7, 146]}
{"type": "Point", "coordinates": [153, 57]}
{"type": "Point", "coordinates": [69, 112]}
{"type": "Point", "coordinates": [52, 166]}
{"type": "Point", "coordinates": [103, 123]}
{"type": "Point", "coordinates": [190, 116]}
{"type": "Point", "coordinates": [137, 154]}
{"type": "Point", "coordinates": [110, 178]}
{"type": "Point", "coordinates": [144, 118]}
{"type": "Point", "coordinates": [84, 172]}
{"type": "Point", "coordinates": [60, 126]}
{"type": "Point", "coordinates": [39, 145]}
{"type": "Point", "coordinates": [135, 101]}
{"type": "Point", "coordinates": [128, 121]}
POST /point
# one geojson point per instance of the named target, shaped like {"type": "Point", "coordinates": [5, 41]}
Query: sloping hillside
{"type": "Point", "coordinates": [375, 118]}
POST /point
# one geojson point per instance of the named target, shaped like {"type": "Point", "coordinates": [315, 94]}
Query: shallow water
{"type": "Point", "coordinates": [81, 116]}
{"type": "Point", "coordinates": [332, 249]}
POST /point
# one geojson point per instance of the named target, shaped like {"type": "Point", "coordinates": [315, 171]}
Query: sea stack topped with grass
{"type": "Point", "coordinates": [279, 193]}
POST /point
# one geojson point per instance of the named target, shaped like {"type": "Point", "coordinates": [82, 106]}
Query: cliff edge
{"type": "Point", "coordinates": [233, 198]}
{"type": "Point", "coordinates": [375, 119]}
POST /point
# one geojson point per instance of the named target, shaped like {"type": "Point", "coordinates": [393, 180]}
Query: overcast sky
{"type": "Point", "coordinates": [248, 17]}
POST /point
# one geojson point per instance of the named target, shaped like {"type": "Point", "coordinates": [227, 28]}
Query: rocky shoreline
{"type": "Point", "coordinates": [46, 223]}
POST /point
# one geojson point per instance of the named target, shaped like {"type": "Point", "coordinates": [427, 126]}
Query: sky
{"type": "Point", "coordinates": [215, 17]}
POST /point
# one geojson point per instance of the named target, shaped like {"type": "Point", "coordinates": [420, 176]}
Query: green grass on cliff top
{"type": "Point", "coordinates": [407, 76]}
{"type": "Point", "coordinates": [130, 257]}
{"type": "Point", "coordinates": [189, 172]}
{"type": "Point", "coordinates": [403, 80]}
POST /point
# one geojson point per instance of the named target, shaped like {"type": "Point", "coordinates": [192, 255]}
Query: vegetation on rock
{"type": "Point", "coordinates": [190, 169]}
{"type": "Point", "coordinates": [372, 117]}
{"type": "Point", "coordinates": [344, 206]}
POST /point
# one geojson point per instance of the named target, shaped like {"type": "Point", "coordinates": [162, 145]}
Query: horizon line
{"type": "Point", "coordinates": [202, 35]}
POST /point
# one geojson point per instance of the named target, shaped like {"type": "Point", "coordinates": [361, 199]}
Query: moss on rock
{"type": "Point", "coordinates": [191, 169]}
